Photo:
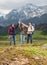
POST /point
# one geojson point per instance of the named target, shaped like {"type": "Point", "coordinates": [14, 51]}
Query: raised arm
{"type": "Point", "coordinates": [25, 25]}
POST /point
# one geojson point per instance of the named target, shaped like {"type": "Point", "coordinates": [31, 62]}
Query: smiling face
{"type": "Point", "coordinates": [30, 24]}
{"type": "Point", "coordinates": [12, 25]}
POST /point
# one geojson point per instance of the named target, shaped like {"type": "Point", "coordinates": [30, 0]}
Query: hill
{"type": "Point", "coordinates": [23, 55]}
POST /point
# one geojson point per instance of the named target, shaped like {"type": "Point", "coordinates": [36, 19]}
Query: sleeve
{"type": "Point", "coordinates": [33, 28]}
{"type": "Point", "coordinates": [16, 26]}
{"type": "Point", "coordinates": [8, 30]}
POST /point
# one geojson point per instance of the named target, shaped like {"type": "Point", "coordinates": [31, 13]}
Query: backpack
{"type": "Point", "coordinates": [9, 30]}
{"type": "Point", "coordinates": [33, 29]}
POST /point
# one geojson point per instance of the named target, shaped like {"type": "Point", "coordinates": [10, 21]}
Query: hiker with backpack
{"type": "Point", "coordinates": [11, 31]}
{"type": "Point", "coordinates": [30, 32]}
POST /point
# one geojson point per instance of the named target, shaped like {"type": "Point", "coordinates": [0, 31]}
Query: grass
{"type": "Point", "coordinates": [39, 36]}
{"type": "Point", "coordinates": [38, 39]}
{"type": "Point", "coordinates": [28, 50]}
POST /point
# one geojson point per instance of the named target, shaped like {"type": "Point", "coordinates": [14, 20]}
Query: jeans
{"type": "Point", "coordinates": [29, 38]}
{"type": "Point", "coordinates": [12, 37]}
{"type": "Point", "coordinates": [22, 38]}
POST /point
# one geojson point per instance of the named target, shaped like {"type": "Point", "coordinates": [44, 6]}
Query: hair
{"type": "Point", "coordinates": [31, 22]}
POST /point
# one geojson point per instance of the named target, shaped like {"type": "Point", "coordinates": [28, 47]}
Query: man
{"type": "Point", "coordinates": [11, 31]}
{"type": "Point", "coordinates": [29, 33]}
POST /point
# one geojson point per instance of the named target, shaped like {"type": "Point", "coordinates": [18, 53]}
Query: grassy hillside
{"type": "Point", "coordinates": [26, 54]}
{"type": "Point", "coordinates": [23, 55]}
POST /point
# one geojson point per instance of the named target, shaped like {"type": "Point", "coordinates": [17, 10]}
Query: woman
{"type": "Point", "coordinates": [22, 32]}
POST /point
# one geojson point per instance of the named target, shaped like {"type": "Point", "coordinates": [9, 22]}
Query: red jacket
{"type": "Point", "coordinates": [11, 30]}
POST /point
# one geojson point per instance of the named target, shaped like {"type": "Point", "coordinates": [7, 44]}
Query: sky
{"type": "Point", "coordinates": [8, 5]}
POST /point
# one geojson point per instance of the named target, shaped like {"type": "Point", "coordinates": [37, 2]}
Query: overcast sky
{"type": "Point", "coordinates": [7, 5]}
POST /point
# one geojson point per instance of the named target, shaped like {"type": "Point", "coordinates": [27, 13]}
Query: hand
{"type": "Point", "coordinates": [19, 22]}
{"type": "Point", "coordinates": [29, 32]}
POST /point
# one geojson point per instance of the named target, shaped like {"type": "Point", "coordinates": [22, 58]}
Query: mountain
{"type": "Point", "coordinates": [27, 13]}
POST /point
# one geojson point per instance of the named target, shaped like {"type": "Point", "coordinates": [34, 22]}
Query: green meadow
{"type": "Point", "coordinates": [36, 53]}
{"type": "Point", "coordinates": [38, 39]}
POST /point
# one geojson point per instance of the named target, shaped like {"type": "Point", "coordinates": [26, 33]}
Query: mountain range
{"type": "Point", "coordinates": [27, 13]}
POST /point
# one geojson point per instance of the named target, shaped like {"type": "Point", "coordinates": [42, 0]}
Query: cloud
{"type": "Point", "coordinates": [10, 4]}
{"type": "Point", "coordinates": [38, 2]}
{"type": "Point", "coordinates": [13, 4]}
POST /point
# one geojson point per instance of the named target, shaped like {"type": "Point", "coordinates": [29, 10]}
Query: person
{"type": "Point", "coordinates": [30, 30]}
{"type": "Point", "coordinates": [11, 31]}
{"type": "Point", "coordinates": [33, 27]}
{"type": "Point", "coordinates": [22, 32]}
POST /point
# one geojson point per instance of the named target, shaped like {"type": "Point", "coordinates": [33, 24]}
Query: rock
{"type": "Point", "coordinates": [44, 46]}
{"type": "Point", "coordinates": [24, 61]}
{"type": "Point", "coordinates": [14, 59]}
{"type": "Point", "coordinates": [45, 58]}
{"type": "Point", "coordinates": [19, 61]}
{"type": "Point", "coordinates": [15, 63]}
{"type": "Point", "coordinates": [37, 58]}
{"type": "Point", "coordinates": [5, 61]}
